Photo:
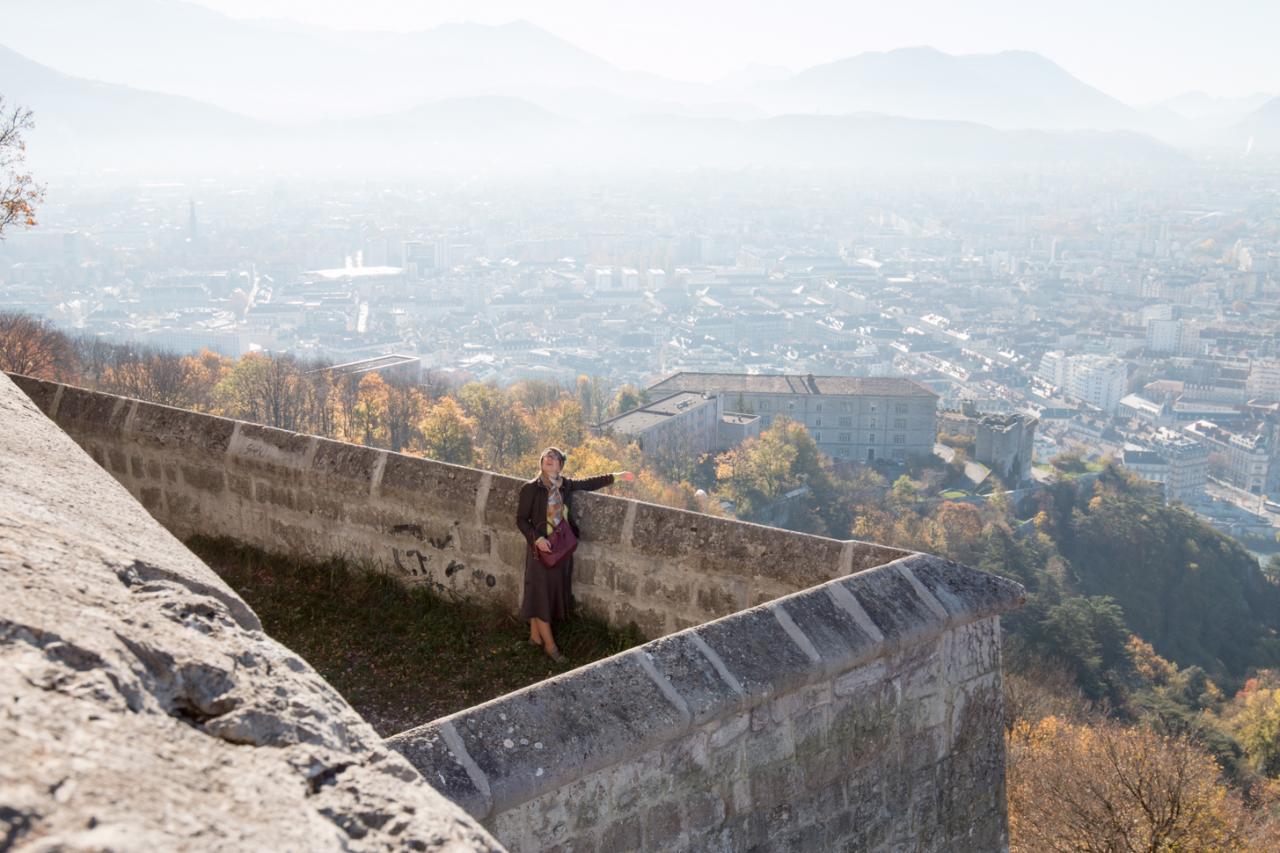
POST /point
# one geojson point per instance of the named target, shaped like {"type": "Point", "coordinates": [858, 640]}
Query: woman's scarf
{"type": "Point", "coordinates": [555, 501]}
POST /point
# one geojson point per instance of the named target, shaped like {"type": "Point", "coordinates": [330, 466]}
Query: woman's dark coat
{"type": "Point", "coordinates": [548, 593]}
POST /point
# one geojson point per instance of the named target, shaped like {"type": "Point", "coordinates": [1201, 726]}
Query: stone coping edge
{"type": "Point", "coordinates": [492, 757]}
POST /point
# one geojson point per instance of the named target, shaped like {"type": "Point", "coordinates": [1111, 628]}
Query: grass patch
{"type": "Point", "coordinates": [401, 656]}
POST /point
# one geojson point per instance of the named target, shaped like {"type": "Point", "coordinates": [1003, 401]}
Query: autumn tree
{"type": "Point", "coordinates": [560, 423]}
{"type": "Point", "coordinates": [1104, 787]}
{"type": "Point", "coordinates": [628, 397]}
{"type": "Point", "coordinates": [33, 347]}
{"type": "Point", "coordinates": [502, 429]}
{"type": "Point", "coordinates": [1256, 725]}
{"type": "Point", "coordinates": [405, 405]}
{"type": "Point", "coordinates": [166, 378]}
{"type": "Point", "coordinates": [19, 193]}
{"type": "Point", "coordinates": [445, 433]}
{"type": "Point", "coordinates": [760, 471]}
{"type": "Point", "coordinates": [536, 393]}
{"type": "Point", "coordinates": [265, 388]}
{"type": "Point", "coordinates": [593, 395]}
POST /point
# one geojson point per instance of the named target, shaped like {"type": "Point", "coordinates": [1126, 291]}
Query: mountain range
{"type": "Point", "coordinates": [150, 82]}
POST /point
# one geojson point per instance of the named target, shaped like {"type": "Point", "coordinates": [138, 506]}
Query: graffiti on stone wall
{"type": "Point", "coordinates": [418, 563]}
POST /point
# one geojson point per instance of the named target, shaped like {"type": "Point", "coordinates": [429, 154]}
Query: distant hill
{"type": "Point", "coordinates": [1198, 105]}
{"type": "Point", "coordinates": [81, 124]}
{"type": "Point", "coordinates": [285, 71]}
{"type": "Point", "coordinates": [1014, 89]}
{"type": "Point", "coordinates": [87, 125]}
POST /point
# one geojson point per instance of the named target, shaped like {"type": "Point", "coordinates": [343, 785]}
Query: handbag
{"type": "Point", "coordinates": [563, 542]}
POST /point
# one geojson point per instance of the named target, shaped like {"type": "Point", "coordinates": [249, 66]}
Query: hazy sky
{"type": "Point", "coordinates": [1136, 50]}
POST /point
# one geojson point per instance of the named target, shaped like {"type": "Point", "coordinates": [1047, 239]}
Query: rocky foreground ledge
{"type": "Point", "coordinates": [141, 705]}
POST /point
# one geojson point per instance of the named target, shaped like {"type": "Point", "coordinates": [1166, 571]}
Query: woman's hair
{"type": "Point", "coordinates": [555, 452]}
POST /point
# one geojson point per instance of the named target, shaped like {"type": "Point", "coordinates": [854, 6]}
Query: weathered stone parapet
{"type": "Point", "coordinates": [863, 713]}
{"type": "Point", "coordinates": [141, 706]}
{"type": "Point", "coordinates": [427, 522]}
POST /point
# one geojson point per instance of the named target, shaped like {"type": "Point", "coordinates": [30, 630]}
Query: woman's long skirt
{"type": "Point", "coordinates": [548, 593]}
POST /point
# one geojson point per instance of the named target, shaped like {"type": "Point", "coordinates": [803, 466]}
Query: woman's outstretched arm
{"type": "Point", "coordinates": [590, 484]}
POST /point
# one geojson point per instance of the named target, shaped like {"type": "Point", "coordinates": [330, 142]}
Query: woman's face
{"type": "Point", "coordinates": [551, 466]}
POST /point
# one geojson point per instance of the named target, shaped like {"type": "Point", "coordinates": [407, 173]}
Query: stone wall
{"type": "Point", "coordinates": [862, 714]}
{"type": "Point", "coordinates": [143, 708]}
{"type": "Point", "coordinates": [447, 526]}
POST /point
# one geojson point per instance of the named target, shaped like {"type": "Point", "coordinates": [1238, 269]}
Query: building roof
{"type": "Point", "coordinates": [1143, 457]}
{"type": "Point", "coordinates": [640, 419]}
{"type": "Point", "coordinates": [745, 383]}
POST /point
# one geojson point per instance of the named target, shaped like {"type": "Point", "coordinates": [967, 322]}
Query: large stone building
{"type": "Point", "coordinates": [852, 418]}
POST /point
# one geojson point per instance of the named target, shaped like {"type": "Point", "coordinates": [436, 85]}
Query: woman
{"type": "Point", "coordinates": [544, 504]}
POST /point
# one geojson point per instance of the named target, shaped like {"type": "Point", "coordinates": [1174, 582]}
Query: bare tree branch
{"type": "Point", "coordinates": [19, 193]}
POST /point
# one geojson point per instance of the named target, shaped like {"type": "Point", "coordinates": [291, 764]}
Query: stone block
{"type": "Point", "coordinates": [770, 746]}
{"type": "Point", "coordinates": [863, 729]}
{"type": "Point", "coordinates": [893, 605]}
{"type": "Point", "coordinates": [350, 465]}
{"type": "Point", "coordinates": [809, 731]}
{"type": "Point", "coordinates": [719, 596]}
{"type": "Point", "coordinates": [268, 452]}
{"type": "Point", "coordinates": [706, 693]}
{"type": "Point", "coordinates": [152, 498]}
{"type": "Point", "coordinates": [267, 492]}
{"type": "Point", "coordinates": [624, 835]}
{"type": "Point", "coordinates": [198, 437]}
{"type": "Point", "coordinates": [433, 489]}
{"type": "Point", "coordinates": [599, 516]}
{"type": "Point", "coordinates": [444, 770]}
{"type": "Point", "coordinates": [965, 593]}
{"type": "Point", "coordinates": [320, 504]}
{"type": "Point", "coordinates": [775, 784]}
{"type": "Point", "coordinates": [652, 623]}
{"type": "Point", "coordinates": [119, 462]}
{"type": "Point", "coordinates": [88, 413]}
{"type": "Point", "coordinates": [730, 729]}
{"type": "Point", "coordinates": [703, 810]}
{"type": "Point", "coordinates": [203, 479]}
{"type": "Point", "coordinates": [662, 825]}
{"type": "Point", "coordinates": [832, 629]}
{"type": "Point", "coordinates": [972, 650]}
{"type": "Point", "coordinates": [760, 717]}
{"type": "Point", "coordinates": [502, 502]}
{"type": "Point", "coordinates": [757, 652]}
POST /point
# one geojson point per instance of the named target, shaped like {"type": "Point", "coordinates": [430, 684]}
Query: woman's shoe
{"type": "Point", "coordinates": [556, 656]}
